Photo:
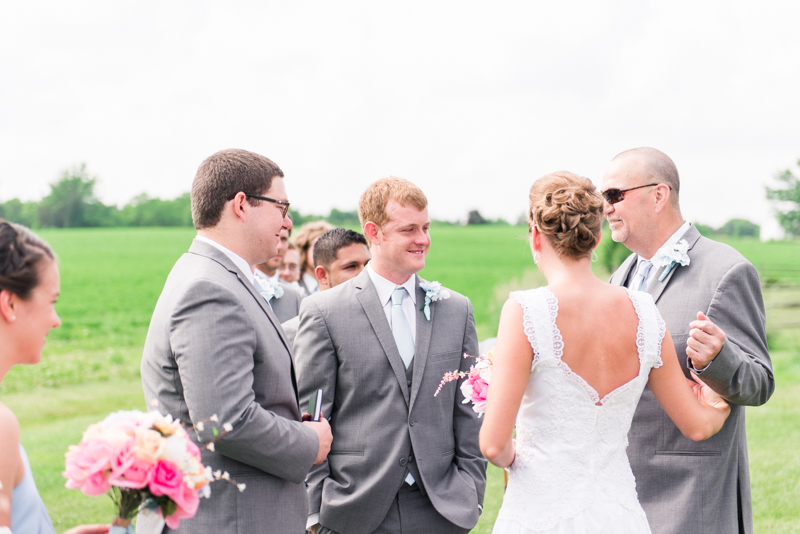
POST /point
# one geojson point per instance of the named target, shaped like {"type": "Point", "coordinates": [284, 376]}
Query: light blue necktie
{"type": "Point", "coordinates": [400, 328]}
{"type": "Point", "coordinates": [640, 280]}
{"type": "Point", "coordinates": [403, 338]}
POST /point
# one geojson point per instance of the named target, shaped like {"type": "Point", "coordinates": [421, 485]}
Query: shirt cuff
{"type": "Point", "coordinates": [692, 368]}
{"type": "Point", "coordinates": [313, 519]}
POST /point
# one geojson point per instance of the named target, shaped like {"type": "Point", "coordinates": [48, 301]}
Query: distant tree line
{"type": "Point", "coordinates": [787, 201]}
{"type": "Point", "coordinates": [72, 203]}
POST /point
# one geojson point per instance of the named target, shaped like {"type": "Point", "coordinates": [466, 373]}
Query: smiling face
{"type": "Point", "coordinates": [349, 262]}
{"type": "Point", "coordinates": [400, 247]}
{"type": "Point", "coordinates": [632, 219]}
{"type": "Point", "coordinates": [36, 316]}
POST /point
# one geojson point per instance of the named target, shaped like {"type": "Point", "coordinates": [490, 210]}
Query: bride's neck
{"type": "Point", "coordinates": [562, 271]}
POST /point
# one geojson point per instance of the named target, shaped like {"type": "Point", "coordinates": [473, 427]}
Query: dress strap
{"type": "Point", "coordinates": [651, 330]}
{"type": "Point", "coordinates": [540, 308]}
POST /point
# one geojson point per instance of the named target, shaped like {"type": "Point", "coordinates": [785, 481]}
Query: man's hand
{"type": "Point", "coordinates": [323, 430]}
{"type": "Point", "coordinates": [705, 341]}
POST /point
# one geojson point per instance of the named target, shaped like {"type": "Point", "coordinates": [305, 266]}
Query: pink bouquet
{"type": "Point", "coordinates": [143, 460]}
{"type": "Point", "coordinates": [476, 385]}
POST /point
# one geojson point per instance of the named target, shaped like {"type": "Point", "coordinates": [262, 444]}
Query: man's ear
{"type": "Point", "coordinates": [372, 231]}
{"type": "Point", "coordinates": [238, 205]}
{"type": "Point", "coordinates": [322, 276]}
{"type": "Point", "coordinates": [663, 194]}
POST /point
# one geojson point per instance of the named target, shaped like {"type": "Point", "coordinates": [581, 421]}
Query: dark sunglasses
{"type": "Point", "coordinates": [613, 196]}
{"type": "Point", "coordinates": [282, 204]}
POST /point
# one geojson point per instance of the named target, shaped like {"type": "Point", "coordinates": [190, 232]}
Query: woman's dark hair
{"type": "Point", "coordinates": [20, 253]}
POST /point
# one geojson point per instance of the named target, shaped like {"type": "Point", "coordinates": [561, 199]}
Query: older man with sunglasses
{"type": "Point", "coordinates": [710, 298]}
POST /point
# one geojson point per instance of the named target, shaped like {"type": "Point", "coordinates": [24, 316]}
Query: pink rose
{"type": "Point", "coordinates": [87, 467]}
{"type": "Point", "coordinates": [167, 479]}
{"type": "Point", "coordinates": [128, 471]}
{"type": "Point", "coordinates": [192, 449]}
{"type": "Point", "coordinates": [475, 388]}
{"type": "Point", "coordinates": [187, 499]}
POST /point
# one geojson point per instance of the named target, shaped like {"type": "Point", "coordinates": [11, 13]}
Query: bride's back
{"type": "Point", "coordinates": [598, 325]}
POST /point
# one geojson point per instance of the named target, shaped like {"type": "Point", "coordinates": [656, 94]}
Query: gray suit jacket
{"type": "Point", "coordinates": [290, 330]}
{"type": "Point", "coordinates": [345, 346]}
{"type": "Point", "coordinates": [288, 305]}
{"type": "Point", "coordinates": [703, 487]}
{"type": "Point", "coordinates": [215, 347]}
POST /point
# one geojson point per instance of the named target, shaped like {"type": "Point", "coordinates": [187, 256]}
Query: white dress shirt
{"type": "Point", "coordinates": [237, 260]}
{"type": "Point", "coordinates": [311, 283]}
{"type": "Point", "coordinates": [671, 242]}
{"type": "Point", "coordinates": [385, 288]}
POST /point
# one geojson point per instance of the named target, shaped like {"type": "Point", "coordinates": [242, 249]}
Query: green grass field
{"type": "Point", "coordinates": [111, 279]}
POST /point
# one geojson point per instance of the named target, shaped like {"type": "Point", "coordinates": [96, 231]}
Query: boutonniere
{"type": "Point", "coordinates": [269, 290]}
{"type": "Point", "coordinates": [671, 257]}
{"type": "Point", "coordinates": [433, 292]}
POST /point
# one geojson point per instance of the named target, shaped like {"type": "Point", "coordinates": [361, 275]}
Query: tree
{"type": "Point", "coordinates": [787, 202]}
{"type": "Point", "coordinates": [72, 203]}
{"type": "Point", "coordinates": [24, 213]}
{"type": "Point", "coordinates": [739, 228]}
{"type": "Point", "coordinates": [475, 217]}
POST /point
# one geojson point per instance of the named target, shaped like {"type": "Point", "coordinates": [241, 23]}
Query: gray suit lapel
{"type": "Point", "coordinates": [623, 273]}
{"type": "Point", "coordinates": [204, 249]}
{"type": "Point", "coordinates": [657, 287]}
{"type": "Point", "coordinates": [368, 297]}
{"type": "Point", "coordinates": [424, 327]}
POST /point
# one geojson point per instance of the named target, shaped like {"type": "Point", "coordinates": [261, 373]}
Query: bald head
{"type": "Point", "coordinates": [657, 167]}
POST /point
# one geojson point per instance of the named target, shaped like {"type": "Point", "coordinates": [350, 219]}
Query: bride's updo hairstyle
{"type": "Point", "coordinates": [21, 251]}
{"type": "Point", "coordinates": [568, 210]}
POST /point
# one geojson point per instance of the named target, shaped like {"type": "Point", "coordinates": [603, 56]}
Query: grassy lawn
{"type": "Point", "coordinates": [111, 279]}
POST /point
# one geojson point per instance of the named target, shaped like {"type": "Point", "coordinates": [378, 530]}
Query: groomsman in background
{"type": "Point", "coordinates": [339, 255]}
{"type": "Point", "coordinates": [710, 298]}
{"type": "Point", "coordinates": [214, 347]}
{"type": "Point", "coordinates": [282, 297]}
{"type": "Point", "coordinates": [403, 461]}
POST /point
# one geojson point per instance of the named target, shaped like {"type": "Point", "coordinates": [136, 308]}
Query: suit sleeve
{"type": "Point", "coordinates": [317, 364]}
{"type": "Point", "coordinates": [466, 424]}
{"type": "Point", "coordinates": [742, 371]}
{"type": "Point", "coordinates": [214, 342]}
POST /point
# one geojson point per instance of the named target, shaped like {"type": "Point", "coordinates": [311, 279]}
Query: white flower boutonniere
{"type": "Point", "coordinates": [671, 257]}
{"type": "Point", "coordinates": [267, 289]}
{"type": "Point", "coordinates": [433, 292]}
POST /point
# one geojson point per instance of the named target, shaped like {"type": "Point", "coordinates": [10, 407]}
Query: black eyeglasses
{"type": "Point", "coordinates": [282, 204]}
{"type": "Point", "coordinates": [613, 196]}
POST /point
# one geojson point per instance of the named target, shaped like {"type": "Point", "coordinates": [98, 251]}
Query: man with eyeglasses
{"type": "Point", "coordinates": [710, 298]}
{"type": "Point", "coordinates": [215, 348]}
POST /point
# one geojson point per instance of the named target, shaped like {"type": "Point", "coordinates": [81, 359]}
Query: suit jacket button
{"type": "Point", "coordinates": [412, 423]}
{"type": "Point", "coordinates": [402, 461]}
{"type": "Point", "coordinates": [409, 382]}
{"type": "Point", "coordinates": [411, 459]}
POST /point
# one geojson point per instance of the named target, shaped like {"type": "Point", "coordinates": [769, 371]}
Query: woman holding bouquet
{"type": "Point", "coordinates": [570, 365]}
{"type": "Point", "coordinates": [29, 286]}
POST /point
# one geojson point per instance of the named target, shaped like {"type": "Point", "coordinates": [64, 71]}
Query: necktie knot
{"type": "Point", "coordinates": [640, 280]}
{"type": "Point", "coordinates": [397, 296]}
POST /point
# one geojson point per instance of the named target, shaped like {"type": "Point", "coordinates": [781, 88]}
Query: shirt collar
{"type": "Point", "coordinates": [237, 260]}
{"type": "Point", "coordinates": [311, 282]}
{"type": "Point", "coordinates": [385, 287]}
{"type": "Point", "coordinates": [669, 243]}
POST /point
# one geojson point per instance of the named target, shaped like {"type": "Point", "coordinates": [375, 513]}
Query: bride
{"type": "Point", "coordinates": [571, 362]}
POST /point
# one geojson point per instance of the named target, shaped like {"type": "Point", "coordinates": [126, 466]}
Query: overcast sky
{"type": "Point", "coordinates": [470, 100]}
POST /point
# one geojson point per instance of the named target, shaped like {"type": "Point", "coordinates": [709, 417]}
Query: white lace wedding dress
{"type": "Point", "coordinates": [571, 473]}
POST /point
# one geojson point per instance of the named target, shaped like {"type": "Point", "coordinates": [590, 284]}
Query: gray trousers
{"type": "Point", "coordinates": [410, 513]}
